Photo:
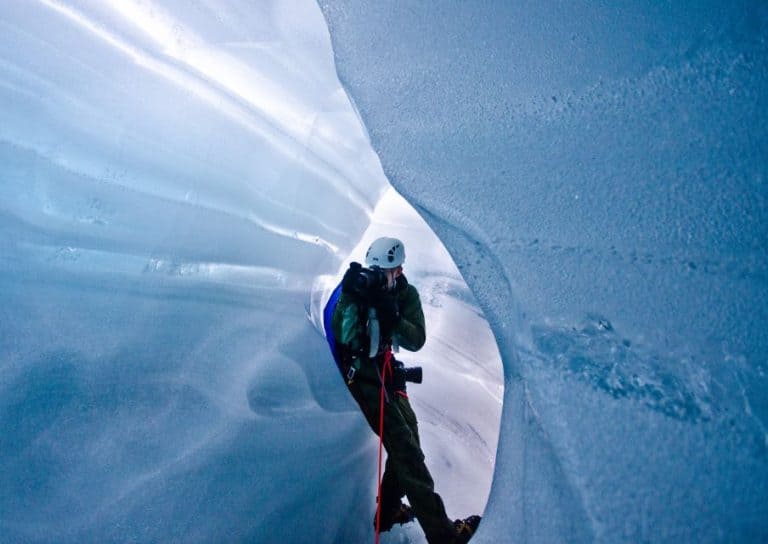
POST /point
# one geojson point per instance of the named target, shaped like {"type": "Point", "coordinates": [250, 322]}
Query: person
{"type": "Point", "coordinates": [372, 311]}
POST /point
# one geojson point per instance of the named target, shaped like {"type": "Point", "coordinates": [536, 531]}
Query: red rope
{"type": "Point", "coordinates": [385, 371]}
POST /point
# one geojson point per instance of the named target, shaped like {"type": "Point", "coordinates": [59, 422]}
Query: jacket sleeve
{"type": "Point", "coordinates": [410, 332]}
{"type": "Point", "coordinates": [346, 323]}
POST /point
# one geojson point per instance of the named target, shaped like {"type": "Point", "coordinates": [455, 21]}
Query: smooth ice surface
{"type": "Point", "coordinates": [174, 179]}
{"type": "Point", "coordinates": [598, 172]}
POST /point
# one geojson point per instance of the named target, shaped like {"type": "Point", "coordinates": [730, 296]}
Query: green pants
{"type": "Point", "coordinates": [405, 473]}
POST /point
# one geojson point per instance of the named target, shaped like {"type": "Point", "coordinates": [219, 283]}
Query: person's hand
{"type": "Point", "coordinates": [387, 311]}
{"type": "Point", "coordinates": [350, 278]}
{"type": "Point", "coordinates": [400, 283]}
{"type": "Point", "coordinates": [397, 381]}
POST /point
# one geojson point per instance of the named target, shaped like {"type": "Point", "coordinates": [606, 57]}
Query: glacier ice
{"type": "Point", "coordinates": [177, 181]}
{"type": "Point", "coordinates": [597, 171]}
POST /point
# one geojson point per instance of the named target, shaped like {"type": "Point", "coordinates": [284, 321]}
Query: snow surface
{"type": "Point", "coordinates": [180, 182]}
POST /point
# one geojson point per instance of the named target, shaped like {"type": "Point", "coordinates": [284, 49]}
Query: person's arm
{"type": "Point", "coordinates": [346, 323]}
{"type": "Point", "coordinates": [410, 332]}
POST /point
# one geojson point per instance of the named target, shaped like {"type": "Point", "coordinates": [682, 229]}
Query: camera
{"type": "Point", "coordinates": [413, 374]}
{"type": "Point", "coordinates": [365, 282]}
{"type": "Point", "coordinates": [402, 374]}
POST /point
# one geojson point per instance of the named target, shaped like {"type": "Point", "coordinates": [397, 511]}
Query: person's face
{"type": "Point", "coordinates": [392, 275]}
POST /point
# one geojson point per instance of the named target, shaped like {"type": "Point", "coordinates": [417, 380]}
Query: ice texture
{"type": "Point", "coordinates": [182, 182]}
{"type": "Point", "coordinates": [179, 182]}
{"type": "Point", "coordinates": [598, 173]}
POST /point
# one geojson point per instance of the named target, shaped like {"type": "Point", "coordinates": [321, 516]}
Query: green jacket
{"type": "Point", "coordinates": [349, 323]}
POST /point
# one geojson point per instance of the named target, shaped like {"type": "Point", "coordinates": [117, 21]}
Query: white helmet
{"type": "Point", "coordinates": [385, 253]}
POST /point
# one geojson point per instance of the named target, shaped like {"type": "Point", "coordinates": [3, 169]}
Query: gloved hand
{"type": "Point", "coordinates": [400, 283]}
{"type": "Point", "coordinates": [387, 311]}
{"type": "Point", "coordinates": [397, 382]}
{"type": "Point", "coordinates": [350, 277]}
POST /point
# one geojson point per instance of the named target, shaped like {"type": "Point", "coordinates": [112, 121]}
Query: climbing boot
{"type": "Point", "coordinates": [465, 528]}
{"type": "Point", "coordinates": [401, 514]}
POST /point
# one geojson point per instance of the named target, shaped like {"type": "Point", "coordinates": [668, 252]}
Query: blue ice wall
{"type": "Point", "coordinates": [174, 175]}
{"type": "Point", "coordinates": [598, 172]}
{"type": "Point", "coordinates": [171, 177]}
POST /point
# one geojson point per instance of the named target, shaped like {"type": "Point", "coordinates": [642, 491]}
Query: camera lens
{"type": "Point", "coordinates": [413, 374]}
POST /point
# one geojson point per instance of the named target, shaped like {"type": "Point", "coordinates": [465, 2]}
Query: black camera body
{"type": "Point", "coordinates": [366, 282]}
{"type": "Point", "coordinates": [402, 373]}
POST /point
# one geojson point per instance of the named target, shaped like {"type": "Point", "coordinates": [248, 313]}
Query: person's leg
{"type": "Point", "coordinates": [406, 458]}
{"type": "Point", "coordinates": [391, 490]}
